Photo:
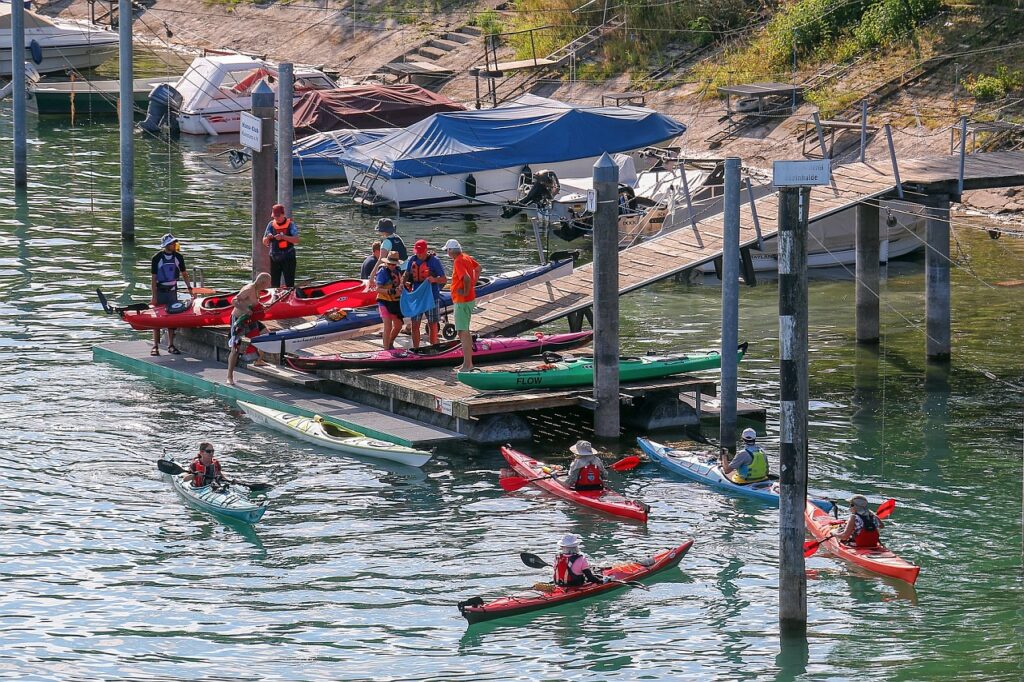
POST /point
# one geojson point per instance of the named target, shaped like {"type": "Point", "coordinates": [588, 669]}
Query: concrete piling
{"type": "Point", "coordinates": [606, 298]}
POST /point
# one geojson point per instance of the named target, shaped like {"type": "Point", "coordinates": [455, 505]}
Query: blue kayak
{"type": "Point", "coordinates": [343, 324]}
{"type": "Point", "coordinates": [698, 466]}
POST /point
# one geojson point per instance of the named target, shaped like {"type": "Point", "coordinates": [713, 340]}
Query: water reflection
{"type": "Point", "coordinates": [793, 656]}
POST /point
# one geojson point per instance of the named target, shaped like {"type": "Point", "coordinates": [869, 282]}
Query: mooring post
{"type": "Point", "coordinates": [892, 158]}
{"type": "Point", "coordinates": [285, 134]}
{"type": "Point", "coordinates": [686, 193]}
{"type": "Point", "coordinates": [867, 273]}
{"type": "Point", "coordinates": [863, 129]}
{"type": "Point", "coordinates": [126, 111]}
{"type": "Point", "coordinates": [262, 175]}
{"type": "Point", "coordinates": [753, 214]}
{"type": "Point", "coordinates": [963, 156]}
{"type": "Point", "coordinates": [936, 268]}
{"type": "Point", "coordinates": [20, 93]}
{"type": "Point", "coordinates": [821, 136]}
{"type": "Point", "coordinates": [606, 298]}
{"type": "Point", "coordinates": [793, 393]}
{"type": "Point", "coordinates": [730, 303]}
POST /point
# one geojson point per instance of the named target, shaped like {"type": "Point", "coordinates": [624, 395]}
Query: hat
{"type": "Point", "coordinates": [385, 225]}
{"type": "Point", "coordinates": [859, 503]}
{"type": "Point", "coordinates": [167, 240]}
{"type": "Point", "coordinates": [569, 540]}
{"type": "Point", "coordinates": [394, 257]}
{"type": "Point", "coordinates": [582, 447]}
{"type": "Point", "coordinates": [452, 244]}
{"type": "Point", "coordinates": [749, 435]}
{"type": "Point", "coordinates": [277, 208]}
{"type": "Point", "coordinates": [420, 246]}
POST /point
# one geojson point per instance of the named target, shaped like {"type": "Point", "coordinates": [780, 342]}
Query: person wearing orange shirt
{"type": "Point", "coordinates": [465, 273]}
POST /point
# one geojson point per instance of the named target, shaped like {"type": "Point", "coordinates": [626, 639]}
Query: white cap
{"type": "Point", "coordinates": [749, 434]}
{"type": "Point", "coordinates": [569, 540]}
{"type": "Point", "coordinates": [452, 244]}
{"type": "Point", "coordinates": [167, 240]}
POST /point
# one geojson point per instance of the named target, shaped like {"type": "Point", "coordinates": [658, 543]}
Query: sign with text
{"type": "Point", "coordinates": [801, 173]}
{"type": "Point", "coordinates": [250, 131]}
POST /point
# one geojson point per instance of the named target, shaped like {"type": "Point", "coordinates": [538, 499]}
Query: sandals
{"type": "Point", "coordinates": [172, 350]}
{"type": "Point", "coordinates": [154, 350]}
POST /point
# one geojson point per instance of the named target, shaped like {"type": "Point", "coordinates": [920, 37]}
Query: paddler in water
{"type": "Point", "coordinates": [587, 471]}
{"type": "Point", "coordinates": [749, 465]}
{"type": "Point", "coordinates": [572, 569]}
{"type": "Point", "coordinates": [204, 469]}
{"type": "Point", "coordinates": [246, 301]}
{"type": "Point", "coordinates": [863, 525]}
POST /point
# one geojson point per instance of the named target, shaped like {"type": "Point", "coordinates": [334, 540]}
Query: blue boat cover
{"type": "Point", "coordinates": [418, 301]}
{"type": "Point", "coordinates": [333, 143]}
{"type": "Point", "coordinates": [533, 130]}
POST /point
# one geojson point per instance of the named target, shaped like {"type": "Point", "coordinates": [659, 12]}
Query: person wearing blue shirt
{"type": "Point", "coordinates": [425, 266]}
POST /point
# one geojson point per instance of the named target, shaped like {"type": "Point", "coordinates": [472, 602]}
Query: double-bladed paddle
{"type": "Point", "coordinates": [173, 468]}
{"type": "Point", "coordinates": [534, 561]}
{"type": "Point", "coordinates": [513, 483]}
{"type": "Point", "coordinates": [884, 511]}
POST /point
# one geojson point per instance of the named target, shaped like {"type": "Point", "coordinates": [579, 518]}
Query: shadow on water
{"type": "Point", "coordinates": [867, 404]}
{"type": "Point", "coordinates": [793, 656]}
{"type": "Point", "coordinates": [21, 217]}
{"type": "Point", "coordinates": [936, 423]}
{"type": "Point", "coordinates": [129, 256]}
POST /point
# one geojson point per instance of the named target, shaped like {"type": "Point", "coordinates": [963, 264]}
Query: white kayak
{"type": "Point", "coordinates": [224, 501]}
{"type": "Point", "coordinates": [319, 432]}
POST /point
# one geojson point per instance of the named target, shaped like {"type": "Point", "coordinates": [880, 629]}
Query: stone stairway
{"type": "Point", "coordinates": [420, 65]}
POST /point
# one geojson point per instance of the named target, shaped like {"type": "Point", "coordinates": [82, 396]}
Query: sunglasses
{"type": "Point", "coordinates": [209, 451]}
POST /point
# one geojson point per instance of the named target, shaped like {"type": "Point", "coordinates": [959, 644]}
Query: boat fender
{"type": "Point", "coordinates": [37, 51]}
{"type": "Point", "coordinates": [470, 186]}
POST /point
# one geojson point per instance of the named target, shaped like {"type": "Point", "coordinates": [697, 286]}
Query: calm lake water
{"type": "Point", "coordinates": [355, 570]}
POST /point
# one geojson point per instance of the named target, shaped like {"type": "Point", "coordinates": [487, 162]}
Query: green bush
{"type": "Point", "coordinates": [987, 87]}
{"type": "Point", "coordinates": [890, 20]}
{"type": "Point", "coordinates": [488, 21]}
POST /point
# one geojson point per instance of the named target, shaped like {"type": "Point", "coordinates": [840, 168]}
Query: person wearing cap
{"type": "Point", "coordinates": [863, 525]}
{"type": "Point", "coordinates": [465, 273]}
{"type": "Point", "coordinates": [370, 262]}
{"type": "Point", "coordinates": [587, 471]}
{"type": "Point", "coordinates": [168, 266]}
{"type": "Point", "coordinates": [389, 293]}
{"type": "Point", "coordinates": [281, 236]}
{"type": "Point", "coordinates": [572, 569]}
{"type": "Point", "coordinates": [389, 241]}
{"type": "Point", "coordinates": [246, 301]}
{"type": "Point", "coordinates": [749, 465]}
{"type": "Point", "coordinates": [425, 266]}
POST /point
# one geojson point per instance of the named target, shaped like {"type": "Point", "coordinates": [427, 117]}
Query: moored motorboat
{"type": "Point", "coordinates": [317, 158]}
{"type": "Point", "coordinates": [222, 500]}
{"type": "Point", "coordinates": [89, 97]}
{"type": "Point", "coordinates": [333, 436]}
{"type": "Point", "coordinates": [56, 44]}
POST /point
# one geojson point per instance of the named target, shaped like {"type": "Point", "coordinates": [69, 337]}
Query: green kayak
{"type": "Point", "coordinates": [567, 372]}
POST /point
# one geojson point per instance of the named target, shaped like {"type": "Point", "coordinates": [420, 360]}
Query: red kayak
{"type": "Point", "coordinates": [278, 304]}
{"type": "Point", "coordinates": [878, 559]}
{"type": "Point", "coordinates": [448, 353]}
{"type": "Point", "coordinates": [606, 500]}
{"type": "Point", "coordinates": [476, 610]}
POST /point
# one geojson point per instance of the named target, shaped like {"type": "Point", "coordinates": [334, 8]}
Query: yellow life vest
{"type": "Point", "coordinates": [756, 471]}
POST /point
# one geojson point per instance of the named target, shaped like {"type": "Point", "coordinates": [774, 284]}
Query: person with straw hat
{"type": "Point", "coordinates": [389, 294]}
{"type": "Point", "coordinates": [571, 567]}
{"type": "Point", "coordinates": [863, 525]}
{"type": "Point", "coordinates": [587, 471]}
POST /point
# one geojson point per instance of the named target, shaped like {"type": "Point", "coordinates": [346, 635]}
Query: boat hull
{"type": "Point", "coordinates": [228, 504]}
{"type": "Point", "coordinates": [90, 97]}
{"type": "Point", "coordinates": [65, 46]}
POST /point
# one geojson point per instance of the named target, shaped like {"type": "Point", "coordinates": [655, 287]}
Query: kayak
{"type": "Point", "coordinates": [333, 436]}
{"type": "Point", "coordinates": [276, 304]}
{"type": "Point", "coordinates": [448, 353]}
{"type": "Point", "coordinates": [477, 611]}
{"type": "Point", "coordinates": [607, 501]}
{"type": "Point", "coordinates": [346, 324]}
{"type": "Point", "coordinates": [580, 371]}
{"type": "Point", "coordinates": [700, 467]}
{"type": "Point", "coordinates": [225, 501]}
{"type": "Point", "coordinates": [877, 559]}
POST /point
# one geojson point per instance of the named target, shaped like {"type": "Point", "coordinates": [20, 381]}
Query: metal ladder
{"type": "Point", "coordinates": [361, 186]}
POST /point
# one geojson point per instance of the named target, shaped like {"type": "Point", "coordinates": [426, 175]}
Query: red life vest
{"type": "Point", "coordinates": [564, 575]}
{"type": "Point", "coordinates": [282, 230]}
{"type": "Point", "coordinates": [867, 536]}
{"type": "Point", "coordinates": [418, 269]}
{"type": "Point", "coordinates": [589, 478]}
{"type": "Point", "coordinates": [204, 476]}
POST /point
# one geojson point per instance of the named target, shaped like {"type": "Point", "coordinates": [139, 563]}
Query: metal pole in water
{"type": "Point", "coordinates": [262, 175]}
{"type": "Point", "coordinates": [867, 273]}
{"type": "Point", "coordinates": [730, 303]}
{"type": "Point", "coordinates": [20, 94]}
{"type": "Point", "coordinates": [936, 268]}
{"type": "Point", "coordinates": [126, 111]}
{"type": "Point", "coordinates": [285, 134]}
{"type": "Point", "coordinates": [606, 298]}
{"type": "Point", "coordinates": [793, 394]}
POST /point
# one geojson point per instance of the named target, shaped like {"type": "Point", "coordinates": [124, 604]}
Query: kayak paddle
{"type": "Point", "coordinates": [626, 463]}
{"type": "Point", "coordinates": [513, 483]}
{"type": "Point", "coordinates": [173, 468]}
{"type": "Point", "coordinates": [884, 511]}
{"type": "Point", "coordinates": [534, 561]}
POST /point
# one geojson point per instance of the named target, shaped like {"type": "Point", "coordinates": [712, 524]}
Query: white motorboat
{"type": "Point", "coordinates": [56, 44]}
{"type": "Point", "coordinates": [217, 88]}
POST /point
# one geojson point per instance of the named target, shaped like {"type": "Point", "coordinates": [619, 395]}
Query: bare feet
{"type": "Point", "coordinates": [231, 382]}
{"type": "Point", "coordinates": [260, 362]}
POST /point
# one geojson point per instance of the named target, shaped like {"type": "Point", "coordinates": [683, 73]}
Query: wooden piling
{"type": "Point", "coordinates": [606, 298]}
{"type": "Point", "coordinates": [285, 134]}
{"type": "Point", "coordinates": [263, 189]}
{"type": "Point", "coordinates": [867, 273]}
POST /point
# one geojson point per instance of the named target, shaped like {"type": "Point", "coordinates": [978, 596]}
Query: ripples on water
{"type": "Point", "coordinates": [355, 570]}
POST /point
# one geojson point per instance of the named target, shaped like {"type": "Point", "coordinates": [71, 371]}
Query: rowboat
{"type": "Point", "coordinates": [334, 437]}
{"type": "Point", "coordinates": [878, 559]}
{"type": "Point", "coordinates": [704, 468]}
{"type": "Point", "coordinates": [223, 501]}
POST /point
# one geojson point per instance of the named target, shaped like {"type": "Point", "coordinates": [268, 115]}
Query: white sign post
{"type": "Point", "coordinates": [250, 131]}
{"type": "Point", "coordinates": [802, 173]}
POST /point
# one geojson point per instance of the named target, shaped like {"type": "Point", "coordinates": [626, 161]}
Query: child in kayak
{"type": "Point", "coordinates": [571, 566]}
{"type": "Point", "coordinates": [587, 471]}
{"type": "Point", "coordinates": [204, 469]}
{"type": "Point", "coordinates": [749, 465]}
{"type": "Point", "coordinates": [863, 525]}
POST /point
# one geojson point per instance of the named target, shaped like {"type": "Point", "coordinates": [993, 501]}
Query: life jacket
{"type": "Point", "coordinates": [167, 271]}
{"type": "Point", "coordinates": [418, 269]}
{"type": "Point", "coordinates": [282, 230]}
{"type": "Point", "coordinates": [204, 476]}
{"type": "Point", "coordinates": [867, 535]}
{"type": "Point", "coordinates": [590, 478]}
{"type": "Point", "coordinates": [564, 573]}
{"type": "Point", "coordinates": [396, 245]}
{"type": "Point", "coordinates": [757, 470]}
{"type": "Point", "coordinates": [392, 291]}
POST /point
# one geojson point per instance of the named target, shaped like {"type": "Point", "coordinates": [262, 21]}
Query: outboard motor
{"type": "Point", "coordinates": [541, 193]}
{"type": "Point", "coordinates": [164, 103]}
